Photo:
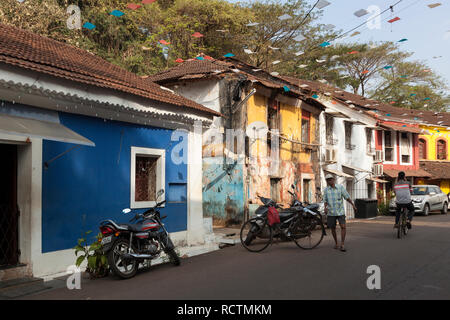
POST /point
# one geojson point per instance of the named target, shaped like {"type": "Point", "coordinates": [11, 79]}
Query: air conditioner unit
{"type": "Point", "coordinates": [330, 155]}
{"type": "Point", "coordinates": [377, 170]}
{"type": "Point", "coordinates": [379, 156]}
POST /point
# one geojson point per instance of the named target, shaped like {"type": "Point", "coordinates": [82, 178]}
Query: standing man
{"type": "Point", "coordinates": [333, 196]}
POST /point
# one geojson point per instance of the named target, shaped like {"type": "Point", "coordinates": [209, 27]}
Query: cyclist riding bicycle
{"type": "Point", "coordinates": [402, 191]}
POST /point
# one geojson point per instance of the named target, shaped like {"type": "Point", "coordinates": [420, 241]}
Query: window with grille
{"type": "Point", "coordinates": [147, 176]}
{"type": "Point", "coordinates": [441, 149]}
{"type": "Point", "coordinates": [422, 149]}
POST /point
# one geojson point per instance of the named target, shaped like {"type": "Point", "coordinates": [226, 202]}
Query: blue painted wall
{"type": "Point", "coordinates": [90, 184]}
{"type": "Point", "coordinates": [223, 190]}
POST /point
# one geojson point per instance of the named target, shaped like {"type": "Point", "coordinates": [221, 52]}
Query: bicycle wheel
{"type": "Point", "coordinates": [308, 232]}
{"type": "Point", "coordinates": [404, 226]}
{"type": "Point", "coordinates": [256, 235]}
{"type": "Point", "coordinates": [399, 229]}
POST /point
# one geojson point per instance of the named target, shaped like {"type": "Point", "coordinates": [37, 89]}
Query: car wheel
{"type": "Point", "coordinates": [445, 208]}
{"type": "Point", "coordinates": [426, 210]}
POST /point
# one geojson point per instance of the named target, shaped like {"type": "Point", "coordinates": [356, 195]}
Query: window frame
{"type": "Point", "coordinates": [445, 149]}
{"type": "Point", "coordinates": [306, 116]}
{"type": "Point", "coordinates": [160, 175]}
{"type": "Point", "coordinates": [393, 146]}
{"type": "Point", "coordinates": [410, 142]}
{"type": "Point", "coordinates": [425, 151]}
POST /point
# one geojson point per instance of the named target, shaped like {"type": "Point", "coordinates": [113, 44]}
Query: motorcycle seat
{"type": "Point", "coordinates": [313, 206]}
{"type": "Point", "coordinates": [287, 213]}
{"type": "Point", "coordinates": [132, 227]}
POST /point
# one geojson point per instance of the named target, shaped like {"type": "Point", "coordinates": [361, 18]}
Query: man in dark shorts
{"type": "Point", "coordinates": [333, 196]}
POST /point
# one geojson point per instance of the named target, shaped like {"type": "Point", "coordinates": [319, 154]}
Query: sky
{"type": "Point", "coordinates": [427, 30]}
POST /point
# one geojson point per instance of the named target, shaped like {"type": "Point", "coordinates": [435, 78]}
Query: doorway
{"type": "Point", "coordinates": [9, 213]}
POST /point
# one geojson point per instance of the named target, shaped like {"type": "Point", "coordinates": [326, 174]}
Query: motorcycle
{"type": "Point", "coordinates": [129, 244]}
{"type": "Point", "coordinates": [287, 215]}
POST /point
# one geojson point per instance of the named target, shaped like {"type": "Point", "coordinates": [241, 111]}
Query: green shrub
{"type": "Point", "coordinates": [97, 263]}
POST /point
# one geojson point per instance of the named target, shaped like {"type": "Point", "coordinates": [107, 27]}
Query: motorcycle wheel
{"type": "Point", "coordinates": [173, 257]}
{"type": "Point", "coordinates": [256, 235]}
{"type": "Point", "coordinates": [121, 268]}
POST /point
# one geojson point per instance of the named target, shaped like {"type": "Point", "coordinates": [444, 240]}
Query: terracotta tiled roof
{"type": "Point", "coordinates": [200, 68]}
{"type": "Point", "coordinates": [403, 128]}
{"type": "Point", "coordinates": [419, 116]}
{"type": "Point", "coordinates": [28, 50]}
{"type": "Point", "coordinates": [437, 169]}
{"type": "Point", "coordinates": [203, 69]}
{"type": "Point", "coordinates": [393, 173]}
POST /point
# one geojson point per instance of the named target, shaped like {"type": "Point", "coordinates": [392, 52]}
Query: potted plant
{"type": "Point", "coordinates": [97, 263]}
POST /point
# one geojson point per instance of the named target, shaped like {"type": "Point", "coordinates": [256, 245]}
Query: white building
{"type": "Point", "coordinates": [348, 149]}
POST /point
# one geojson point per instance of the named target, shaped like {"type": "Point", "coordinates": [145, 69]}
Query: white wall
{"type": "Point", "coordinates": [358, 157]}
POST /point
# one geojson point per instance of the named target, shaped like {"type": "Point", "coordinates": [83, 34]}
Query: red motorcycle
{"type": "Point", "coordinates": [127, 245]}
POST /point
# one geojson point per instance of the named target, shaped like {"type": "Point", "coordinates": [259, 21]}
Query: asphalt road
{"type": "Point", "coordinates": [417, 267]}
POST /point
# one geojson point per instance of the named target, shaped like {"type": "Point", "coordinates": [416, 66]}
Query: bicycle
{"type": "Point", "coordinates": [303, 225]}
{"type": "Point", "coordinates": [402, 229]}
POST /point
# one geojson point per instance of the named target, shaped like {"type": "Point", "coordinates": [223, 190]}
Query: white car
{"type": "Point", "coordinates": [426, 198]}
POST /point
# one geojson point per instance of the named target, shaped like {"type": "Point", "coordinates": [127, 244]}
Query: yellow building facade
{"type": "Point", "coordinates": [297, 123]}
{"type": "Point", "coordinates": [434, 155]}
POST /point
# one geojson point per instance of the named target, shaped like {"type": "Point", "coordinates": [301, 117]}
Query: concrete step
{"type": "Point", "coordinates": [15, 288]}
{"type": "Point", "coordinates": [20, 282]}
{"type": "Point", "coordinates": [227, 236]}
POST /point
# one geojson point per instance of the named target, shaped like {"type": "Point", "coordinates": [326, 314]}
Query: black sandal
{"type": "Point", "coordinates": [343, 249]}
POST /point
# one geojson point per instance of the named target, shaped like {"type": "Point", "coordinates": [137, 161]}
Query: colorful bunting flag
{"type": "Point", "coordinates": [403, 40]}
{"type": "Point", "coordinates": [164, 42]}
{"type": "Point", "coordinates": [133, 6]}
{"type": "Point", "coordinates": [285, 17]}
{"type": "Point", "coordinates": [299, 38]}
{"type": "Point", "coordinates": [89, 25]}
{"type": "Point", "coordinates": [324, 44]}
{"type": "Point", "coordinates": [148, 1]}
{"type": "Point", "coordinates": [117, 13]}
{"type": "Point", "coordinates": [387, 67]}
{"type": "Point", "coordinates": [393, 20]}
{"type": "Point", "coordinates": [179, 60]}
{"type": "Point", "coordinates": [197, 35]}
{"type": "Point", "coordinates": [229, 55]}
{"type": "Point", "coordinates": [361, 12]}
{"type": "Point", "coordinates": [286, 89]}
{"type": "Point", "coordinates": [434, 5]}
{"type": "Point", "coordinates": [322, 4]}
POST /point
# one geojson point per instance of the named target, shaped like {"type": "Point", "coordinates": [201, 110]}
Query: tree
{"type": "Point", "coordinates": [412, 85]}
